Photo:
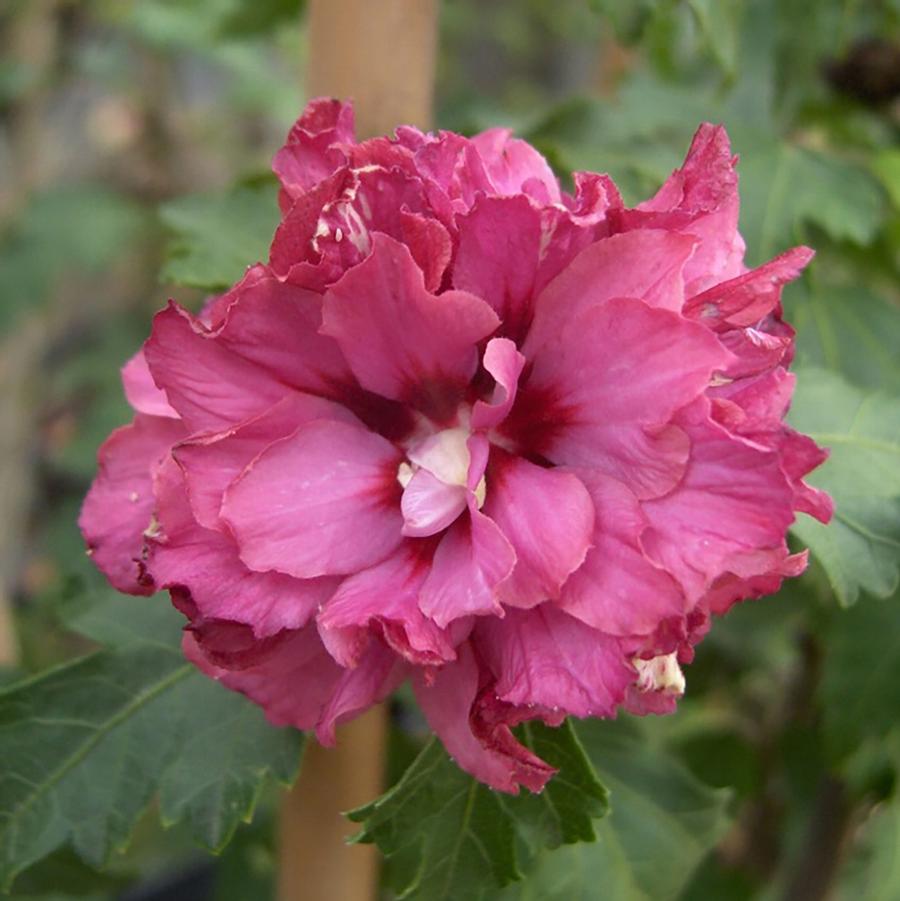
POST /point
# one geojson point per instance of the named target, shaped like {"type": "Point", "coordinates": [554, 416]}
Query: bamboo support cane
{"type": "Point", "coordinates": [380, 53]}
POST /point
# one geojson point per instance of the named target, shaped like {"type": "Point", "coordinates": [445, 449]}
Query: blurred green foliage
{"type": "Point", "coordinates": [786, 750]}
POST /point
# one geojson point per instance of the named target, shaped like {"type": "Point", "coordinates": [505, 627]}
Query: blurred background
{"type": "Point", "coordinates": [135, 138]}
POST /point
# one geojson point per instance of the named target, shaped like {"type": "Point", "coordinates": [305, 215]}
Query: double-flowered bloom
{"type": "Point", "coordinates": [513, 444]}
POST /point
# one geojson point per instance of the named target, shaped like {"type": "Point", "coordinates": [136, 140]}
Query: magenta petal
{"type": "Point", "coordinates": [386, 594]}
{"type": "Point", "coordinates": [617, 589]}
{"type": "Point", "coordinates": [505, 364]}
{"type": "Point", "coordinates": [514, 166]}
{"type": "Point", "coordinates": [376, 676]}
{"type": "Point", "coordinates": [729, 514]}
{"type": "Point", "coordinates": [645, 264]}
{"type": "Point", "coordinates": [745, 300]}
{"type": "Point", "coordinates": [206, 563]}
{"type": "Point", "coordinates": [297, 660]}
{"type": "Point", "coordinates": [212, 461]}
{"type": "Point", "coordinates": [448, 699]}
{"type": "Point", "coordinates": [324, 501]}
{"type": "Point", "coordinates": [547, 658]}
{"type": "Point", "coordinates": [473, 558]}
{"type": "Point", "coordinates": [700, 199]}
{"type": "Point", "coordinates": [610, 410]}
{"type": "Point", "coordinates": [547, 516]}
{"type": "Point", "coordinates": [141, 391]}
{"type": "Point", "coordinates": [401, 341]}
{"type": "Point", "coordinates": [498, 257]}
{"type": "Point", "coordinates": [430, 505]}
{"type": "Point", "coordinates": [267, 346]}
{"type": "Point", "coordinates": [119, 506]}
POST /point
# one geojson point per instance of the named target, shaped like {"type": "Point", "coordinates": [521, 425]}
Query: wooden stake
{"type": "Point", "coordinates": [380, 54]}
{"type": "Point", "coordinates": [315, 861]}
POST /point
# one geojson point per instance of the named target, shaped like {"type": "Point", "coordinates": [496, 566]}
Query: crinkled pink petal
{"type": "Point", "coordinates": [401, 341]}
{"type": "Point", "coordinates": [310, 154]}
{"type": "Point", "coordinates": [730, 513]}
{"type": "Point", "coordinates": [515, 167]}
{"type": "Point", "coordinates": [119, 507]}
{"type": "Point", "coordinates": [298, 659]}
{"type": "Point", "coordinates": [547, 658]}
{"type": "Point", "coordinates": [323, 501]}
{"type": "Point", "coordinates": [700, 199]}
{"type": "Point", "coordinates": [182, 553]}
{"type": "Point", "coordinates": [548, 518]}
{"type": "Point", "coordinates": [386, 595]}
{"type": "Point", "coordinates": [500, 241]}
{"type": "Point", "coordinates": [617, 589]}
{"type": "Point", "coordinates": [743, 301]}
{"type": "Point", "coordinates": [473, 558]}
{"type": "Point", "coordinates": [141, 391]}
{"type": "Point", "coordinates": [610, 409]}
{"type": "Point", "coordinates": [504, 363]}
{"type": "Point", "coordinates": [212, 461]}
{"type": "Point", "coordinates": [375, 676]}
{"type": "Point", "coordinates": [645, 264]}
{"type": "Point", "coordinates": [447, 697]}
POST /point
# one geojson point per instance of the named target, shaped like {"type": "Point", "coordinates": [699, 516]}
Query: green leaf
{"type": "Point", "coordinates": [873, 871]}
{"type": "Point", "coordinates": [565, 811]}
{"type": "Point", "coordinates": [449, 834]}
{"type": "Point", "coordinates": [719, 22]}
{"type": "Point", "coordinates": [887, 169]}
{"type": "Point", "coordinates": [446, 836]}
{"type": "Point", "coordinates": [663, 822]}
{"type": "Point", "coordinates": [859, 548]}
{"type": "Point", "coordinates": [850, 329]}
{"type": "Point", "coordinates": [215, 237]}
{"type": "Point", "coordinates": [87, 745]}
{"type": "Point", "coordinates": [784, 186]}
{"type": "Point", "coordinates": [860, 687]}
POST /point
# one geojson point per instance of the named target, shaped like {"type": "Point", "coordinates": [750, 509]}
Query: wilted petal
{"type": "Point", "coordinates": [447, 699]}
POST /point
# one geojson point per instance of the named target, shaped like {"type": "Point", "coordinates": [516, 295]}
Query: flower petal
{"type": "Point", "coordinates": [119, 506]}
{"type": "Point", "coordinates": [473, 558]}
{"type": "Point", "coordinates": [547, 516]}
{"type": "Point", "coordinates": [323, 501]}
{"type": "Point", "coordinates": [401, 341]}
{"type": "Point", "coordinates": [207, 564]}
{"type": "Point", "coordinates": [212, 461]}
{"type": "Point", "coordinates": [646, 265]}
{"type": "Point", "coordinates": [141, 391]}
{"type": "Point", "coordinates": [298, 659]}
{"type": "Point", "coordinates": [429, 505]}
{"type": "Point", "coordinates": [609, 409]}
{"type": "Point", "coordinates": [617, 589]}
{"type": "Point", "coordinates": [447, 698]}
{"type": "Point", "coordinates": [547, 658]}
{"type": "Point", "coordinates": [730, 513]}
{"type": "Point", "coordinates": [505, 364]}
{"type": "Point", "coordinates": [378, 673]}
{"type": "Point", "coordinates": [386, 594]}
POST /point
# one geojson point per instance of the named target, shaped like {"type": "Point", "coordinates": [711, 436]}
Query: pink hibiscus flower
{"type": "Point", "coordinates": [513, 444]}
